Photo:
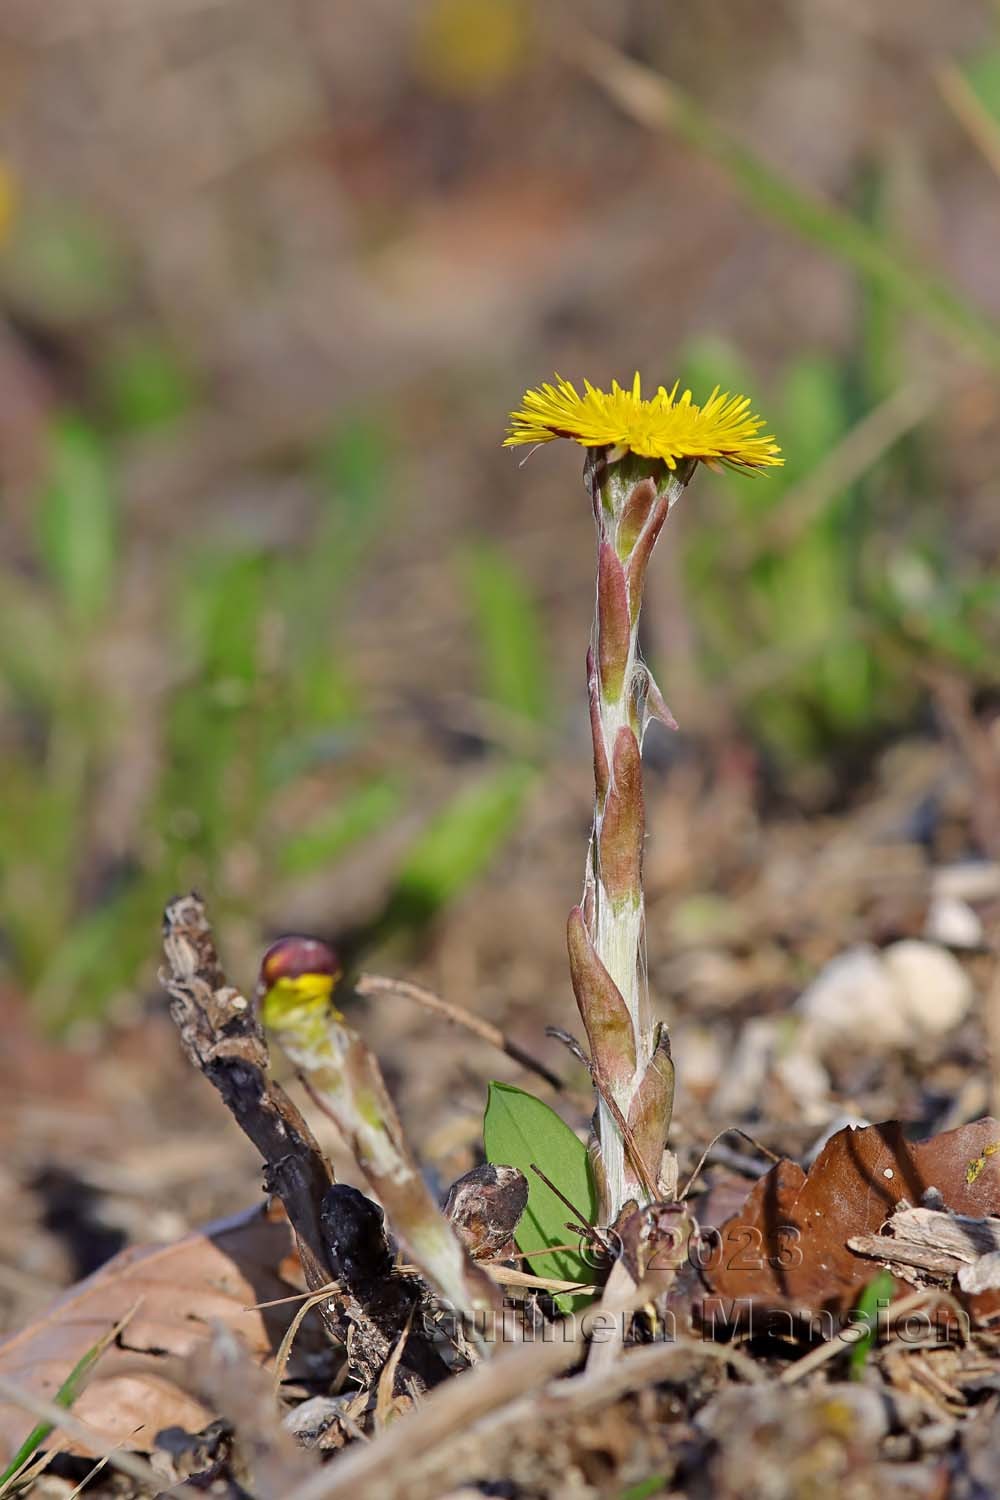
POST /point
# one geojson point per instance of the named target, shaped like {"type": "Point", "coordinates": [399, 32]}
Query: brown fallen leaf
{"type": "Point", "coordinates": [787, 1248]}
{"type": "Point", "coordinates": [213, 1275]}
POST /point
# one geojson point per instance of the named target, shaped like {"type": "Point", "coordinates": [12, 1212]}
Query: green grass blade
{"type": "Point", "coordinates": [65, 1396]}
{"type": "Point", "coordinates": [876, 1295]}
{"type": "Point", "coordinates": [511, 639]}
{"type": "Point", "coordinates": [362, 814]}
{"type": "Point", "coordinates": [77, 519]}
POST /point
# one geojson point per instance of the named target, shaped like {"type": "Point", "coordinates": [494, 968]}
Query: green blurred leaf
{"type": "Point", "coordinates": [77, 518]}
{"type": "Point", "coordinates": [363, 812]}
{"type": "Point", "coordinates": [656, 1484]}
{"type": "Point", "coordinates": [511, 638]}
{"type": "Point", "coordinates": [98, 958]}
{"type": "Point", "coordinates": [520, 1131]}
{"type": "Point", "coordinates": [352, 466]}
{"type": "Point", "coordinates": [63, 262]}
{"type": "Point", "coordinates": [814, 414]}
{"type": "Point", "coordinates": [145, 385]}
{"type": "Point", "coordinates": [983, 74]}
{"type": "Point", "coordinates": [709, 361]}
{"type": "Point", "coordinates": [460, 842]}
{"type": "Point", "coordinates": [222, 599]}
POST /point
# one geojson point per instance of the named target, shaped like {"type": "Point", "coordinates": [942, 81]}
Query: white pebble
{"type": "Point", "coordinates": [853, 1001]}
{"type": "Point", "coordinates": [953, 923]}
{"type": "Point", "coordinates": [933, 991]}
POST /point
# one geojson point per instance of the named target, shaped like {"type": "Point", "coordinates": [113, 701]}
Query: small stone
{"type": "Point", "coordinates": [804, 1079]}
{"type": "Point", "coordinates": [953, 923]}
{"type": "Point", "coordinates": [983, 1275]}
{"type": "Point", "coordinates": [317, 1423]}
{"type": "Point", "coordinates": [853, 1002]}
{"type": "Point", "coordinates": [886, 1001]}
{"type": "Point", "coordinates": [933, 991]}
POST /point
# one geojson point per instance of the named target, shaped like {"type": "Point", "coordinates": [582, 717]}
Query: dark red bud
{"type": "Point", "coordinates": [291, 957]}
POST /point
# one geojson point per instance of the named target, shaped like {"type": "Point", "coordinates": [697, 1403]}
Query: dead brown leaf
{"type": "Point", "coordinates": [787, 1247]}
{"type": "Point", "coordinates": [212, 1276]}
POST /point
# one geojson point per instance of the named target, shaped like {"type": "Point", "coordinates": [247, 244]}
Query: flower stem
{"type": "Point", "coordinates": [630, 1054]}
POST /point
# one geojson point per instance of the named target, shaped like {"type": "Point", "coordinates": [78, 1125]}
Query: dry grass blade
{"type": "Point", "coordinates": [310, 1301]}
{"type": "Point", "coordinates": [385, 1400]}
{"type": "Point", "coordinates": [432, 1451]}
{"type": "Point", "coordinates": [20, 1480]}
{"type": "Point", "coordinates": [845, 1340]}
{"type": "Point", "coordinates": [507, 1276]}
{"type": "Point", "coordinates": [970, 112]}
{"type": "Point", "coordinates": [659, 105]}
{"type": "Point", "coordinates": [372, 985]}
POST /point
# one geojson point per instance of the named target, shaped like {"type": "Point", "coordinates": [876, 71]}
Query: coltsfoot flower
{"type": "Point", "coordinates": [667, 427]}
{"type": "Point", "coordinates": [640, 455]}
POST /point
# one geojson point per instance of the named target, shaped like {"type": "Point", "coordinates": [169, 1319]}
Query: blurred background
{"type": "Point", "coordinates": [282, 622]}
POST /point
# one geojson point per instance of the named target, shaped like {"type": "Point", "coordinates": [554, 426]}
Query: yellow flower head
{"type": "Point", "coordinates": [723, 431]}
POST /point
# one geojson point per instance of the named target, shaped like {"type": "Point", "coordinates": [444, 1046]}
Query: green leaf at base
{"type": "Point", "coordinates": [520, 1131]}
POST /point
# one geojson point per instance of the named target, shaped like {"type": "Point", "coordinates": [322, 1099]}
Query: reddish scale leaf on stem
{"type": "Point", "coordinates": [635, 513]}
{"type": "Point", "coordinates": [787, 1246]}
{"type": "Point", "coordinates": [614, 624]}
{"type": "Point", "coordinates": [602, 772]}
{"type": "Point", "coordinates": [651, 1109]}
{"type": "Point", "coordinates": [639, 560]}
{"type": "Point", "coordinates": [656, 707]}
{"type": "Point", "coordinates": [604, 1012]}
{"type": "Point", "coordinates": [623, 823]}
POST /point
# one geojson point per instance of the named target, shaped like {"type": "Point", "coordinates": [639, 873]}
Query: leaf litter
{"type": "Point", "coordinates": [174, 1298]}
{"type": "Point", "coordinates": [801, 1242]}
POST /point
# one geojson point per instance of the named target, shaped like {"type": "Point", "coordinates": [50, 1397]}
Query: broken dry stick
{"type": "Point", "coordinates": [223, 1038]}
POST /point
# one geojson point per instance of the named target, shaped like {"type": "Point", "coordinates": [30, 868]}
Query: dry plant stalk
{"type": "Point", "coordinates": [640, 455]}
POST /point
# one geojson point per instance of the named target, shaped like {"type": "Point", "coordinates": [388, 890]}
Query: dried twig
{"type": "Point", "coordinates": [848, 1337]}
{"type": "Point", "coordinates": [464, 1429]}
{"type": "Point", "coordinates": [494, 1383]}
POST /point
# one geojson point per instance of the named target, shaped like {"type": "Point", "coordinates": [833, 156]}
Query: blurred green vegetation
{"type": "Point", "coordinates": [824, 593]}
{"type": "Point", "coordinates": [821, 595]}
{"type": "Point", "coordinates": [259, 697]}
{"type": "Point", "coordinates": [821, 601]}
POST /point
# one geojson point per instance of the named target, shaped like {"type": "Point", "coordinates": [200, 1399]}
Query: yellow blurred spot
{"type": "Point", "coordinates": [469, 48]}
{"type": "Point", "coordinates": [7, 198]}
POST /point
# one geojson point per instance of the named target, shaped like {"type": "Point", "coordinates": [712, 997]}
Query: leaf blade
{"type": "Point", "coordinates": [521, 1131]}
